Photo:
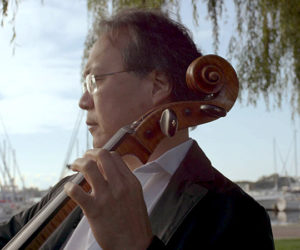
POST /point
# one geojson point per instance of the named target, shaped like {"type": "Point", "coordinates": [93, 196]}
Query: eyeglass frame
{"type": "Point", "coordinates": [89, 83]}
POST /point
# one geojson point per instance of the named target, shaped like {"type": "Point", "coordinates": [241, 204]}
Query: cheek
{"type": "Point", "coordinates": [103, 108]}
{"type": "Point", "coordinates": [118, 107]}
{"type": "Point", "coordinates": [112, 110]}
{"type": "Point", "coordinates": [138, 102]}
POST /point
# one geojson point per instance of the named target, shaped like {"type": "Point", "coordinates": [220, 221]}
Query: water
{"type": "Point", "coordinates": [283, 218]}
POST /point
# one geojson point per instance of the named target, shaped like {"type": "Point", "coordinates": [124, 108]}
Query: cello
{"type": "Point", "coordinates": [211, 76]}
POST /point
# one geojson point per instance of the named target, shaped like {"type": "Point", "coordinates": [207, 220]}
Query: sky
{"type": "Point", "coordinates": [40, 89]}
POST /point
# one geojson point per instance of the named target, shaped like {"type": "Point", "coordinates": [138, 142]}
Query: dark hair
{"type": "Point", "coordinates": [155, 42]}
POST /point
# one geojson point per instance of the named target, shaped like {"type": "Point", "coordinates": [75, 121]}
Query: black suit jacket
{"type": "Point", "coordinates": [200, 209]}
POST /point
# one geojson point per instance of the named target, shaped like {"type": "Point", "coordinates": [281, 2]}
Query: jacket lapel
{"type": "Point", "coordinates": [183, 192]}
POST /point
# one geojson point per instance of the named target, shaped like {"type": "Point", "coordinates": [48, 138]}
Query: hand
{"type": "Point", "coordinates": [115, 208]}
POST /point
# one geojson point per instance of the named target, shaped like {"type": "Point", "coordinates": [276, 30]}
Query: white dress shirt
{"type": "Point", "coordinates": [154, 177]}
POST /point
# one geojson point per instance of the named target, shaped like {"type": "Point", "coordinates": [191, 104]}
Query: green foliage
{"type": "Point", "coordinates": [287, 244]}
{"type": "Point", "coordinates": [13, 6]}
{"type": "Point", "coordinates": [4, 7]}
{"type": "Point", "coordinates": [215, 10]}
{"type": "Point", "coordinates": [266, 47]}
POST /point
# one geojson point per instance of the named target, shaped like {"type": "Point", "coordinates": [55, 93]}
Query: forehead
{"type": "Point", "coordinates": [104, 55]}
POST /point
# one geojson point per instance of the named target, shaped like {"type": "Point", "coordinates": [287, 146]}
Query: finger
{"type": "Point", "coordinates": [124, 170]}
{"type": "Point", "coordinates": [91, 173]}
{"type": "Point", "coordinates": [122, 166]}
{"type": "Point", "coordinates": [91, 153]}
{"type": "Point", "coordinates": [121, 179]}
{"type": "Point", "coordinates": [108, 164]}
{"type": "Point", "coordinates": [94, 155]}
{"type": "Point", "coordinates": [76, 193]}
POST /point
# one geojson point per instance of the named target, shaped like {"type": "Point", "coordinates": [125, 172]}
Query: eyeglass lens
{"type": "Point", "coordinates": [89, 84]}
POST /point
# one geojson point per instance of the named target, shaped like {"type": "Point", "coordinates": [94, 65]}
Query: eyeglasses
{"type": "Point", "coordinates": [89, 84]}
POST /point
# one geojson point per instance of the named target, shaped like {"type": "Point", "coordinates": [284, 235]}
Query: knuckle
{"type": "Point", "coordinates": [91, 152]}
{"type": "Point", "coordinates": [102, 153]}
{"type": "Point", "coordinates": [102, 156]}
{"type": "Point", "coordinates": [88, 153]}
{"type": "Point", "coordinates": [101, 201]}
{"type": "Point", "coordinates": [76, 164]}
{"type": "Point", "coordinates": [122, 190]}
{"type": "Point", "coordinates": [73, 191]}
{"type": "Point", "coordinates": [88, 165]}
{"type": "Point", "coordinates": [115, 154]}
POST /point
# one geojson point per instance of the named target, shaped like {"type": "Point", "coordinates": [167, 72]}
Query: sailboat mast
{"type": "Point", "coordinates": [296, 162]}
{"type": "Point", "coordinates": [274, 155]}
{"type": "Point", "coordinates": [275, 164]}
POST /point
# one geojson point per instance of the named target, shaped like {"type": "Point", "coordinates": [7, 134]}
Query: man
{"type": "Point", "coordinates": [177, 200]}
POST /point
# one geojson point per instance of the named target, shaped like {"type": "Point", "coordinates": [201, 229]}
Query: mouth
{"type": "Point", "coordinates": [91, 126]}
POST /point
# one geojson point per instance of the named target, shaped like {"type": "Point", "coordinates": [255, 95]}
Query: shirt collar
{"type": "Point", "coordinates": [168, 162]}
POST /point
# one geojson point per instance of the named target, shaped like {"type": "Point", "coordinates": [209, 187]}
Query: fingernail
{"type": "Point", "coordinates": [71, 167]}
{"type": "Point", "coordinates": [68, 186]}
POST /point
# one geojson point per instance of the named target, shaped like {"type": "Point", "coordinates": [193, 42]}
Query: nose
{"type": "Point", "coordinates": [86, 101]}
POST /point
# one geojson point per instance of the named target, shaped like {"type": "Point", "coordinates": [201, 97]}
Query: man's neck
{"type": "Point", "coordinates": [166, 144]}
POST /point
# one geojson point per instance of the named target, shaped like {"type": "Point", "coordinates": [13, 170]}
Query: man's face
{"type": "Point", "coordinates": [119, 100]}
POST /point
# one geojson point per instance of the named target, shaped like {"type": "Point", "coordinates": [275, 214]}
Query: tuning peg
{"type": "Point", "coordinates": [168, 122]}
{"type": "Point", "coordinates": [213, 110]}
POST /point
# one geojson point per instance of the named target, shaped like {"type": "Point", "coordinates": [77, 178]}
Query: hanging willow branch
{"type": "Point", "coordinates": [13, 7]}
{"type": "Point", "coordinates": [4, 9]}
{"type": "Point", "coordinates": [267, 48]}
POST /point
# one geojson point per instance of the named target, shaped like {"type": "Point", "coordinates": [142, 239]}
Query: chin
{"type": "Point", "coordinates": [97, 144]}
{"type": "Point", "coordinates": [99, 141]}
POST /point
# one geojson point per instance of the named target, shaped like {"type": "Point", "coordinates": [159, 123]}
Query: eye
{"type": "Point", "coordinates": [98, 80]}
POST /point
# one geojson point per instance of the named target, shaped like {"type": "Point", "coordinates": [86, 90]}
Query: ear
{"type": "Point", "coordinates": [161, 89]}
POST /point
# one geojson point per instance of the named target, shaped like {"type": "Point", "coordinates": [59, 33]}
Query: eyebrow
{"type": "Point", "coordinates": [86, 71]}
{"type": "Point", "coordinates": [98, 70]}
